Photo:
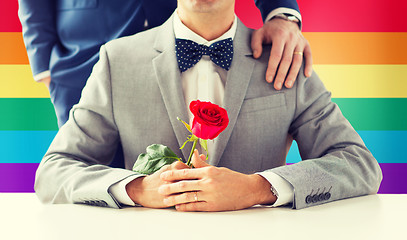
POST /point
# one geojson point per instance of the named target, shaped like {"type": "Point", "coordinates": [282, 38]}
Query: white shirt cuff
{"type": "Point", "coordinates": [42, 75]}
{"type": "Point", "coordinates": [284, 190]}
{"type": "Point", "coordinates": [118, 190]}
{"type": "Point", "coordinates": [284, 10]}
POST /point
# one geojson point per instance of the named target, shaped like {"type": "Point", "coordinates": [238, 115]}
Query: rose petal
{"type": "Point", "coordinates": [209, 119]}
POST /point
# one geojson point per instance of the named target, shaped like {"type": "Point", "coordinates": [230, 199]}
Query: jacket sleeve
{"type": "Point", "coordinates": [74, 169]}
{"type": "Point", "coordinates": [267, 6]}
{"type": "Point", "coordinates": [336, 163]}
{"type": "Point", "coordinates": [39, 33]}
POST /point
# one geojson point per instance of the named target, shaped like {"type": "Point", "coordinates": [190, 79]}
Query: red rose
{"type": "Point", "coordinates": [209, 119]}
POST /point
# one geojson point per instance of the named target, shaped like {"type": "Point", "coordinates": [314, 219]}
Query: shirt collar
{"type": "Point", "coordinates": [183, 32]}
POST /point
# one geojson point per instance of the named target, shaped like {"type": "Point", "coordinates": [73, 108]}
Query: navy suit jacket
{"type": "Point", "coordinates": [64, 36]}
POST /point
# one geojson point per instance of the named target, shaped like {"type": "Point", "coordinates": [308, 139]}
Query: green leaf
{"type": "Point", "coordinates": [186, 125]}
{"type": "Point", "coordinates": [183, 145]}
{"type": "Point", "coordinates": [190, 138]}
{"type": "Point", "coordinates": [156, 157]}
{"type": "Point", "coordinates": [204, 145]}
{"type": "Point", "coordinates": [193, 138]}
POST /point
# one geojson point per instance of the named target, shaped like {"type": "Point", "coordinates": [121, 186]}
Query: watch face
{"type": "Point", "coordinates": [292, 18]}
{"type": "Point", "coordinates": [288, 17]}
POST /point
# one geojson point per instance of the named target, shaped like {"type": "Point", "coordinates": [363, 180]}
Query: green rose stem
{"type": "Point", "coordinates": [192, 152]}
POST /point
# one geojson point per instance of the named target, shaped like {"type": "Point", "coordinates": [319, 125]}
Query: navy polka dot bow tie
{"type": "Point", "coordinates": [189, 53]}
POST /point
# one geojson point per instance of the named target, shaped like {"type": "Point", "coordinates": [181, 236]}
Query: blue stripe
{"type": "Point", "coordinates": [24, 146]}
{"type": "Point", "coordinates": [386, 146]}
{"type": "Point", "coordinates": [30, 146]}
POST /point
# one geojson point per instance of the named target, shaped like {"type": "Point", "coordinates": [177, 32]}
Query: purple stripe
{"type": "Point", "coordinates": [19, 177]}
{"type": "Point", "coordinates": [394, 178]}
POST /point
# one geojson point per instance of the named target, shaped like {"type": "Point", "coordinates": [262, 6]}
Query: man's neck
{"type": "Point", "coordinates": [208, 26]}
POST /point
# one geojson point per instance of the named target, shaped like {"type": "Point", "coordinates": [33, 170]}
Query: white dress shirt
{"type": "Point", "coordinates": [205, 81]}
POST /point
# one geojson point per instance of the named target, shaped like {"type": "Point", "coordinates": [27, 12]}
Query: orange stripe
{"type": "Point", "coordinates": [12, 49]}
{"type": "Point", "coordinates": [327, 48]}
{"type": "Point", "coordinates": [358, 48]}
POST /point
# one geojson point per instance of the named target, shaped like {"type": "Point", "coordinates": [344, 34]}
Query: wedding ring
{"type": "Point", "coordinates": [196, 196]}
{"type": "Point", "coordinates": [299, 53]}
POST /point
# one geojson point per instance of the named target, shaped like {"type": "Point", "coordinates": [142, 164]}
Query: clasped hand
{"type": "Point", "coordinates": [203, 188]}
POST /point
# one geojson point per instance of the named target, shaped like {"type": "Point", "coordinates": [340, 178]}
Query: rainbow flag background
{"type": "Point", "coordinates": [359, 50]}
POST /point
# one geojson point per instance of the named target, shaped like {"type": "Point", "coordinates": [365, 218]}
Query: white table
{"type": "Point", "coordinates": [369, 217]}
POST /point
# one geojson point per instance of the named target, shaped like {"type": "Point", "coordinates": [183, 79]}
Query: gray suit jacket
{"type": "Point", "coordinates": [136, 98]}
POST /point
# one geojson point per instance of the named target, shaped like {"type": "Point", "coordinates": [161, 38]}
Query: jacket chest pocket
{"type": "Point", "coordinates": [263, 103]}
{"type": "Point", "coordinates": [259, 134]}
{"type": "Point", "coordinates": [76, 4]}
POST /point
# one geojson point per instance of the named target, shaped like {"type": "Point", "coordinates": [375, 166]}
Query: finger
{"type": "Point", "coordinates": [193, 207]}
{"type": "Point", "coordinates": [164, 168]}
{"type": "Point", "coordinates": [181, 174]}
{"type": "Point", "coordinates": [178, 165]}
{"type": "Point", "coordinates": [308, 61]}
{"type": "Point", "coordinates": [295, 68]}
{"type": "Point", "coordinates": [179, 187]}
{"type": "Point", "coordinates": [197, 161]}
{"type": "Point", "coordinates": [188, 197]}
{"type": "Point", "coordinates": [284, 66]}
{"type": "Point", "coordinates": [275, 57]}
{"type": "Point", "coordinates": [256, 43]}
{"type": "Point", "coordinates": [173, 166]}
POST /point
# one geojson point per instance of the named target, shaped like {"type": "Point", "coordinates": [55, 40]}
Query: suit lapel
{"type": "Point", "coordinates": [169, 80]}
{"type": "Point", "coordinates": [236, 85]}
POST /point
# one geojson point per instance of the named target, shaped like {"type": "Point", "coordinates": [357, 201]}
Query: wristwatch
{"type": "Point", "coordinates": [287, 17]}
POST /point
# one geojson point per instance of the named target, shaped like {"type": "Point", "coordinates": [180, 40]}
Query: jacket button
{"type": "Point", "coordinates": [308, 199]}
{"type": "Point", "coordinates": [321, 197]}
{"type": "Point", "coordinates": [315, 198]}
{"type": "Point", "coordinates": [327, 196]}
{"type": "Point", "coordinates": [103, 203]}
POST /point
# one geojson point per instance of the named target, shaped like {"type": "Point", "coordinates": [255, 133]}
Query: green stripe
{"type": "Point", "coordinates": [27, 114]}
{"type": "Point", "coordinates": [385, 114]}
{"type": "Point", "coordinates": [375, 113]}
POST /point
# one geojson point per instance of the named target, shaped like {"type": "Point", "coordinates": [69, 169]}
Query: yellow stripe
{"type": "Point", "coordinates": [345, 81]}
{"type": "Point", "coordinates": [16, 81]}
{"type": "Point", "coordinates": [364, 81]}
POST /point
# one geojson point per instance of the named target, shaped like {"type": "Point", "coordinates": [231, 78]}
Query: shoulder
{"type": "Point", "coordinates": [137, 42]}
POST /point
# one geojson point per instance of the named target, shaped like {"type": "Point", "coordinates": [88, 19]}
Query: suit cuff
{"type": "Point", "coordinates": [38, 77]}
{"type": "Point", "coordinates": [118, 190]}
{"type": "Point", "coordinates": [277, 11]}
{"type": "Point", "coordinates": [283, 189]}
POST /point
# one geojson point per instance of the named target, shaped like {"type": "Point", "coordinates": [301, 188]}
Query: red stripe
{"type": "Point", "coordinates": [9, 21]}
{"type": "Point", "coordinates": [318, 15]}
{"type": "Point", "coordinates": [247, 11]}
{"type": "Point", "coordinates": [339, 16]}
{"type": "Point", "coordinates": [354, 15]}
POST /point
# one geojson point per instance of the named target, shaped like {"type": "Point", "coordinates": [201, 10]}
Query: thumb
{"type": "Point", "coordinates": [198, 161]}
